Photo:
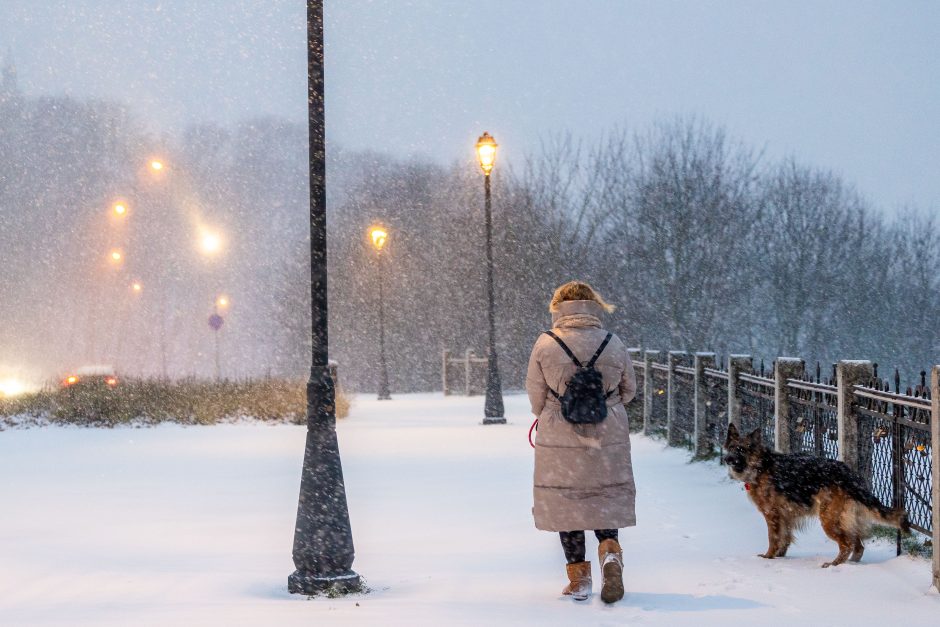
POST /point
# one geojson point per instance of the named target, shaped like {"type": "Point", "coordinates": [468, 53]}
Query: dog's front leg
{"type": "Point", "coordinates": [773, 535]}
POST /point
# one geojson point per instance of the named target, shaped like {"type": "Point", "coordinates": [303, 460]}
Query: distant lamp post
{"type": "Point", "coordinates": [156, 165]}
{"type": "Point", "coordinates": [136, 287]}
{"type": "Point", "coordinates": [493, 412]}
{"type": "Point", "coordinates": [215, 323]}
{"type": "Point", "coordinates": [323, 544]}
{"type": "Point", "coordinates": [116, 257]}
{"type": "Point", "coordinates": [379, 236]}
{"type": "Point", "coordinates": [120, 208]}
{"type": "Point", "coordinates": [222, 301]}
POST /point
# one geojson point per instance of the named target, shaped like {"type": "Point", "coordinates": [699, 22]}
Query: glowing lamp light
{"type": "Point", "coordinates": [486, 152]}
{"type": "Point", "coordinates": [71, 380]}
{"type": "Point", "coordinates": [379, 237]}
{"type": "Point", "coordinates": [111, 381]}
{"type": "Point", "coordinates": [156, 165]}
{"type": "Point", "coordinates": [116, 256]}
{"type": "Point", "coordinates": [210, 243]}
{"type": "Point", "coordinates": [137, 287]}
{"type": "Point", "coordinates": [120, 209]}
{"type": "Point", "coordinates": [222, 301]}
{"type": "Point", "coordinates": [11, 387]}
{"type": "Point", "coordinates": [660, 392]}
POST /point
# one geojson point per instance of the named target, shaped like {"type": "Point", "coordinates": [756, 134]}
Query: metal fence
{"type": "Point", "coordinates": [895, 448]}
{"type": "Point", "coordinates": [659, 416]}
{"type": "Point", "coordinates": [683, 383]}
{"type": "Point", "coordinates": [716, 408]}
{"type": "Point", "coordinates": [813, 418]}
{"type": "Point", "coordinates": [757, 406]}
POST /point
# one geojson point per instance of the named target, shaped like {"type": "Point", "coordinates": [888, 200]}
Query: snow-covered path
{"type": "Point", "coordinates": [193, 526]}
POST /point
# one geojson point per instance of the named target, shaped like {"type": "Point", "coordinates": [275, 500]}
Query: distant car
{"type": "Point", "coordinates": [91, 376]}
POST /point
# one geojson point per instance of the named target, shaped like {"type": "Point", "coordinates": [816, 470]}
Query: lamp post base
{"type": "Point", "coordinates": [494, 421]}
{"type": "Point", "coordinates": [308, 583]}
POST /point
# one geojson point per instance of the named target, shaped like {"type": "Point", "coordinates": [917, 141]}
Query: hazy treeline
{"type": "Point", "coordinates": [701, 244]}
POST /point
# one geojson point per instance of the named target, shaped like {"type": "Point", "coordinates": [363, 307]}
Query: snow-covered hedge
{"type": "Point", "coordinates": [151, 401]}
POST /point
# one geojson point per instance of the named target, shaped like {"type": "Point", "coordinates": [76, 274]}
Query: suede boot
{"type": "Point", "coordinates": [579, 578]}
{"type": "Point", "coordinates": [611, 560]}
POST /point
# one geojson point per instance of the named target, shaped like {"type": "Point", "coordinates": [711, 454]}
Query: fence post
{"type": "Point", "coordinates": [848, 375]}
{"type": "Point", "coordinates": [787, 368]}
{"type": "Point", "coordinates": [935, 457]}
{"type": "Point", "coordinates": [468, 354]}
{"type": "Point", "coordinates": [702, 361]}
{"type": "Point", "coordinates": [736, 365]}
{"type": "Point", "coordinates": [648, 358]}
{"type": "Point", "coordinates": [673, 359]}
{"type": "Point", "coordinates": [446, 354]}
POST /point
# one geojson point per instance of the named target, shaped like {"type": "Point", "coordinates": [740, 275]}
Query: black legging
{"type": "Point", "coordinates": [573, 542]}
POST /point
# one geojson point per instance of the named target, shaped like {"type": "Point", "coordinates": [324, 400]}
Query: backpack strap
{"type": "Point", "coordinates": [600, 350]}
{"type": "Point", "coordinates": [568, 350]}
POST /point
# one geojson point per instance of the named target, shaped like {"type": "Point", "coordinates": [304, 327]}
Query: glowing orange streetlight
{"type": "Point", "coordinates": [493, 410]}
{"type": "Point", "coordinates": [156, 165]}
{"type": "Point", "coordinates": [486, 152]}
{"type": "Point", "coordinates": [210, 243]}
{"type": "Point", "coordinates": [120, 208]}
{"type": "Point", "coordinates": [379, 237]}
{"type": "Point", "coordinates": [137, 287]}
{"type": "Point", "coordinates": [116, 256]}
{"type": "Point", "coordinates": [221, 301]}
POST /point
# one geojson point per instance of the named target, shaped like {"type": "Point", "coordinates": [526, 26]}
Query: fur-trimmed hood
{"type": "Point", "coordinates": [577, 314]}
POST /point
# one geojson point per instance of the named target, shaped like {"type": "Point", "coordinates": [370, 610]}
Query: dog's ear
{"type": "Point", "coordinates": [732, 435]}
{"type": "Point", "coordinates": [754, 437]}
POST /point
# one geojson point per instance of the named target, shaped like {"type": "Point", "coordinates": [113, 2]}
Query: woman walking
{"type": "Point", "coordinates": [583, 472]}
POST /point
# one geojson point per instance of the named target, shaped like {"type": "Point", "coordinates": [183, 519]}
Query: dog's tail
{"type": "Point", "coordinates": [876, 510]}
{"type": "Point", "coordinates": [896, 517]}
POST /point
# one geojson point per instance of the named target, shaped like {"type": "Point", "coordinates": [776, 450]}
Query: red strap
{"type": "Point", "coordinates": [534, 427]}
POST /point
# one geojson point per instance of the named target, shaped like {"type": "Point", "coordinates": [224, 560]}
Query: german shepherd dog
{"type": "Point", "coordinates": [788, 489]}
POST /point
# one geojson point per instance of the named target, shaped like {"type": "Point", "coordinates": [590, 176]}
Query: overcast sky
{"type": "Point", "coordinates": [848, 85]}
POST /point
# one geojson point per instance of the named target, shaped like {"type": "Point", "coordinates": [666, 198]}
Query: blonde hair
{"type": "Point", "coordinates": [577, 290]}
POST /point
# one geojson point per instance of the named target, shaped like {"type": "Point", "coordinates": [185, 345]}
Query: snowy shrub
{"type": "Point", "coordinates": [186, 401]}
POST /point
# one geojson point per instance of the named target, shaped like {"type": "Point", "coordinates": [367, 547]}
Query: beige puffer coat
{"type": "Point", "coordinates": [583, 473]}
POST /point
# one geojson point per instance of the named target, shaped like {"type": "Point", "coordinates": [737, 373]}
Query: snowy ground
{"type": "Point", "coordinates": [193, 526]}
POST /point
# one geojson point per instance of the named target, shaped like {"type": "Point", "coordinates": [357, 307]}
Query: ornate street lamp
{"type": "Point", "coordinates": [323, 546]}
{"type": "Point", "coordinates": [493, 412]}
{"type": "Point", "coordinates": [379, 236]}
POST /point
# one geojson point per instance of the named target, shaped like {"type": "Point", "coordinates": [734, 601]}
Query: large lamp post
{"type": "Point", "coordinates": [379, 236]}
{"type": "Point", "coordinates": [493, 413]}
{"type": "Point", "coordinates": [323, 546]}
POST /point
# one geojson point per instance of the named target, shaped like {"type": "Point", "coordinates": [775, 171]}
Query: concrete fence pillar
{"type": "Point", "coordinates": [648, 358]}
{"type": "Point", "coordinates": [635, 407]}
{"type": "Point", "coordinates": [935, 458]}
{"type": "Point", "coordinates": [787, 368]}
{"type": "Point", "coordinates": [702, 445]}
{"type": "Point", "coordinates": [673, 359]}
{"type": "Point", "coordinates": [736, 365]}
{"type": "Point", "coordinates": [848, 375]}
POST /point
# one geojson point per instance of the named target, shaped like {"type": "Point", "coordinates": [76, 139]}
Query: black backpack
{"type": "Point", "coordinates": [584, 400]}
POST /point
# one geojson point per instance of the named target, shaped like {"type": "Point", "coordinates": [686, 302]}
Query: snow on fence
{"type": "Point", "coordinates": [891, 438]}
